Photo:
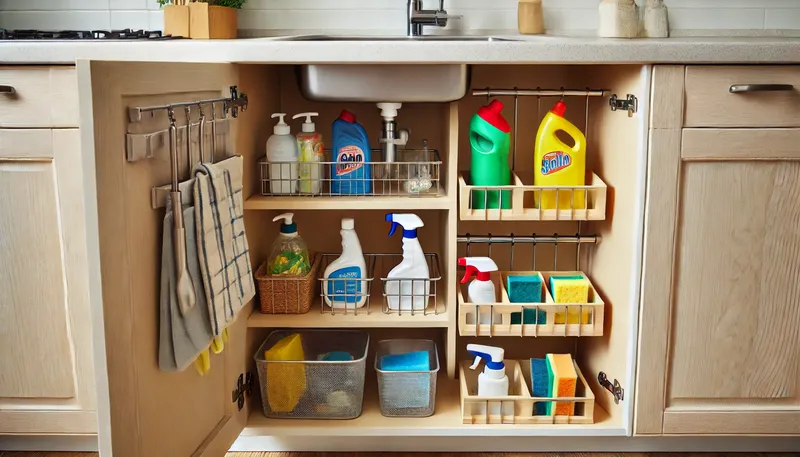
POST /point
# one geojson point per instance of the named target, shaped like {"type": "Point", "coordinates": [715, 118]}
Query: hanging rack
{"type": "Point", "coordinates": [534, 239]}
{"type": "Point", "coordinates": [229, 104]}
{"type": "Point", "coordinates": [540, 92]}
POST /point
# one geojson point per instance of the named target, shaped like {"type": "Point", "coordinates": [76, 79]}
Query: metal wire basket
{"type": "Point", "coordinates": [416, 173]}
{"type": "Point", "coordinates": [327, 384]}
{"type": "Point", "coordinates": [407, 393]}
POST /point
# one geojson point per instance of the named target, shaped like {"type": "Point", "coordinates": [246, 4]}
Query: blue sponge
{"type": "Point", "coordinates": [526, 289]}
{"type": "Point", "coordinates": [411, 361]}
{"type": "Point", "coordinates": [542, 386]}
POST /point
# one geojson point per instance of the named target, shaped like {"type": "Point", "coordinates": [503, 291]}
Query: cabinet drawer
{"type": "Point", "coordinates": [710, 102]}
{"type": "Point", "coordinates": [41, 97]}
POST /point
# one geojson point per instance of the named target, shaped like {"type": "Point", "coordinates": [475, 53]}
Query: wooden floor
{"type": "Point", "coordinates": [400, 454]}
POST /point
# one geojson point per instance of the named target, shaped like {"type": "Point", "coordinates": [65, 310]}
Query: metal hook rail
{"type": "Point", "coordinates": [230, 104]}
{"type": "Point", "coordinates": [534, 239]}
{"type": "Point", "coordinates": [541, 92]}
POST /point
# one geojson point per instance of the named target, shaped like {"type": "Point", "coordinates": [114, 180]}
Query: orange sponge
{"type": "Point", "coordinates": [565, 381]}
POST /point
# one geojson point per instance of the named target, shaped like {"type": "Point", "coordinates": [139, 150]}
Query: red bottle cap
{"type": "Point", "coordinates": [347, 116]}
{"type": "Point", "coordinates": [491, 113]}
{"type": "Point", "coordinates": [559, 109]}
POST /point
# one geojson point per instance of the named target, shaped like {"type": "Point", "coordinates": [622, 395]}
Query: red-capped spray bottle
{"type": "Point", "coordinates": [481, 290]}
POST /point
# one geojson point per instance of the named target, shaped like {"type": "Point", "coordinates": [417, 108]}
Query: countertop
{"type": "Point", "coordinates": [534, 49]}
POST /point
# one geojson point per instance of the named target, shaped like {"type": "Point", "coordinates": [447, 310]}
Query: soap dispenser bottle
{"type": "Point", "coordinates": [311, 152]}
{"type": "Point", "coordinates": [289, 254]}
{"type": "Point", "coordinates": [493, 382]}
{"type": "Point", "coordinates": [481, 290]}
{"type": "Point", "coordinates": [408, 285]}
{"type": "Point", "coordinates": [282, 156]}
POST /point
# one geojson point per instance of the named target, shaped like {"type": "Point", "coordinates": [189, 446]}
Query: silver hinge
{"type": "Point", "coordinates": [630, 104]}
{"type": "Point", "coordinates": [615, 388]}
{"type": "Point", "coordinates": [244, 386]}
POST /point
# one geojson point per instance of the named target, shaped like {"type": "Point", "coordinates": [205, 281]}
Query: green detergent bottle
{"type": "Point", "coordinates": [489, 139]}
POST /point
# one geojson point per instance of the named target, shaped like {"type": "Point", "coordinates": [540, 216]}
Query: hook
{"type": "Point", "coordinates": [202, 134]}
{"type": "Point", "coordinates": [213, 132]}
{"type": "Point", "coordinates": [188, 110]}
{"type": "Point", "coordinates": [173, 148]}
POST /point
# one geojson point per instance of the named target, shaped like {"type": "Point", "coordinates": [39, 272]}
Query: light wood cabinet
{"type": "Point", "coordinates": [720, 323]}
{"type": "Point", "coordinates": [46, 371]}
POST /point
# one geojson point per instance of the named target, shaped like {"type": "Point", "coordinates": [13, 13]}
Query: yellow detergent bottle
{"type": "Point", "coordinates": [558, 164]}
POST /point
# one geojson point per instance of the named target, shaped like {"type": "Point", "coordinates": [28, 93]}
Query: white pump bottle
{"type": "Point", "coordinates": [311, 150]}
{"type": "Point", "coordinates": [282, 156]}
{"type": "Point", "coordinates": [493, 382]}
{"type": "Point", "coordinates": [408, 285]}
{"type": "Point", "coordinates": [481, 290]}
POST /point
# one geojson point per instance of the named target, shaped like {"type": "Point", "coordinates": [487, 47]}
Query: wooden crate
{"type": "Point", "coordinates": [525, 198]}
{"type": "Point", "coordinates": [212, 22]}
{"type": "Point", "coordinates": [502, 311]}
{"type": "Point", "coordinates": [517, 407]}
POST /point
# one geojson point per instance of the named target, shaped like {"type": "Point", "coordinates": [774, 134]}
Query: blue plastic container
{"type": "Point", "coordinates": [351, 174]}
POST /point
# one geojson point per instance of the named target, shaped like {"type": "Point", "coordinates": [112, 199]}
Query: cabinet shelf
{"type": "Point", "coordinates": [356, 202]}
{"type": "Point", "coordinates": [446, 421]}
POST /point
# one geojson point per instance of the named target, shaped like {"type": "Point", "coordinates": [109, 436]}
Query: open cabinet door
{"type": "Point", "coordinates": [145, 412]}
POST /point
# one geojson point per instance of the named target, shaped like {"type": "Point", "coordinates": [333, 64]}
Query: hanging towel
{"type": "Point", "coordinates": [221, 242]}
{"type": "Point", "coordinates": [182, 336]}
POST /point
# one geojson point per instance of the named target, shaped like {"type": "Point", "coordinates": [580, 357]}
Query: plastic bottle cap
{"type": "Point", "coordinates": [559, 109]}
{"type": "Point", "coordinates": [348, 224]}
{"type": "Point", "coordinates": [347, 116]}
{"type": "Point", "coordinates": [288, 227]}
{"type": "Point", "coordinates": [492, 113]}
{"type": "Point", "coordinates": [308, 125]}
{"type": "Point", "coordinates": [281, 128]}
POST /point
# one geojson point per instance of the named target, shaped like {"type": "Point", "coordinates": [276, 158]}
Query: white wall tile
{"type": "Point", "coordinates": [713, 18]}
{"type": "Point", "coordinates": [155, 20]}
{"type": "Point", "coordinates": [783, 19]}
{"type": "Point", "coordinates": [152, 5]}
{"type": "Point", "coordinates": [570, 19]}
{"type": "Point", "coordinates": [135, 20]}
{"type": "Point", "coordinates": [128, 5]}
{"type": "Point", "coordinates": [325, 4]}
{"type": "Point", "coordinates": [732, 3]}
{"type": "Point", "coordinates": [52, 5]}
{"type": "Point", "coordinates": [55, 20]}
{"type": "Point", "coordinates": [348, 20]}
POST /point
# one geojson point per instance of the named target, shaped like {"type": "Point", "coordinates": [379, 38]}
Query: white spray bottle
{"type": "Point", "coordinates": [345, 285]}
{"type": "Point", "coordinates": [481, 290]}
{"type": "Point", "coordinates": [493, 382]}
{"type": "Point", "coordinates": [408, 284]}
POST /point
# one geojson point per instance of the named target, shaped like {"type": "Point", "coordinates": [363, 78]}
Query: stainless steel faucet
{"type": "Point", "coordinates": [418, 17]}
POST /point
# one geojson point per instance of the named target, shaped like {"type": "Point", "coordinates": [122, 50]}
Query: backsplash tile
{"type": "Point", "coordinates": [387, 17]}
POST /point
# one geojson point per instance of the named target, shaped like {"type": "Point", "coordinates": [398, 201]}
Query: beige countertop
{"type": "Point", "coordinates": [543, 49]}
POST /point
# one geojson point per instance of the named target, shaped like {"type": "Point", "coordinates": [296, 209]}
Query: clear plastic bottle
{"type": "Point", "coordinates": [289, 254]}
{"type": "Point", "coordinates": [311, 149]}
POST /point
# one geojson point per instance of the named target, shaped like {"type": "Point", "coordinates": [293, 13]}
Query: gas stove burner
{"type": "Point", "coordinates": [125, 34]}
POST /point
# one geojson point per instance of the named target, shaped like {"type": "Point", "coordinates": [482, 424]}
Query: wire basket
{"type": "Point", "coordinates": [407, 393]}
{"type": "Point", "coordinates": [280, 294]}
{"type": "Point", "coordinates": [346, 296]}
{"type": "Point", "coordinates": [410, 295]}
{"type": "Point", "coordinates": [323, 385]}
{"type": "Point", "coordinates": [416, 173]}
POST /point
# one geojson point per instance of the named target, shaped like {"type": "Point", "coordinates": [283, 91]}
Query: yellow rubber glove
{"type": "Point", "coordinates": [203, 363]}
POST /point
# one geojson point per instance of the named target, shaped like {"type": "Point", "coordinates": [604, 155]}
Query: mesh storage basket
{"type": "Point", "coordinates": [327, 384]}
{"type": "Point", "coordinates": [407, 393]}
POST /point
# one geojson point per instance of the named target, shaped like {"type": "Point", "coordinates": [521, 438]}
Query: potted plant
{"type": "Point", "coordinates": [205, 19]}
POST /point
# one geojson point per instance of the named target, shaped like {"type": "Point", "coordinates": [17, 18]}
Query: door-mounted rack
{"type": "Point", "coordinates": [147, 145]}
{"type": "Point", "coordinates": [534, 240]}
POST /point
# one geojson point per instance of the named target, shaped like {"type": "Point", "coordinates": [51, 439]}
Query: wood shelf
{"type": "Point", "coordinates": [446, 421]}
{"type": "Point", "coordinates": [260, 202]}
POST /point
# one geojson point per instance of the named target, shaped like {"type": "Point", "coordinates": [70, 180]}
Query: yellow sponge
{"type": "Point", "coordinates": [565, 381]}
{"type": "Point", "coordinates": [571, 291]}
{"type": "Point", "coordinates": [286, 382]}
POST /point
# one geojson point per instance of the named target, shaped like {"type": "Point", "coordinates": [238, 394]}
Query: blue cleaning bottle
{"type": "Point", "coordinates": [351, 174]}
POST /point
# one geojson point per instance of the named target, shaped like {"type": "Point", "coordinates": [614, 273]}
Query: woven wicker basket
{"type": "Point", "coordinates": [287, 294]}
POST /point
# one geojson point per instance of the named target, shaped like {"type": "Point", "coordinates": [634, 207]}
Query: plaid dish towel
{"type": "Point", "coordinates": [221, 242]}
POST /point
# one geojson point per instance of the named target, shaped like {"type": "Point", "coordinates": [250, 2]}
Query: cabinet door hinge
{"type": "Point", "coordinates": [615, 388]}
{"type": "Point", "coordinates": [630, 104]}
{"type": "Point", "coordinates": [244, 386]}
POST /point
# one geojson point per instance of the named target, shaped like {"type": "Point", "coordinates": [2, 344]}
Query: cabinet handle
{"type": "Point", "coordinates": [7, 89]}
{"type": "Point", "coordinates": [742, 88]}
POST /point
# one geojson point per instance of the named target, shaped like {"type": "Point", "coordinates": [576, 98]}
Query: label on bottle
{"type": "Point", "coordinates": [350, 159]}
{"type": "Point", "coordinates": [344, 285]}
{"type": "Point", "coordinates": [555, 161]}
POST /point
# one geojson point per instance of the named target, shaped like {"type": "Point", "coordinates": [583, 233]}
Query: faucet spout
{"type": "Point", "coordinates": [419, 17]}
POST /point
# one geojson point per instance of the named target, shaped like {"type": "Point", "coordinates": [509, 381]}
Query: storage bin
{"type": "Point", "coordinates": [407, 393]}
{"type": "Point", "coordinates": [326, 389]}
{"type": "Point", "coordinates": [526, 201]}
{"type": "Point", "coordinates": [548, 316]}
{"type": "Point", "coordinates": [517, 406]}
{"type": "Point", "coordinates": [287, 294]}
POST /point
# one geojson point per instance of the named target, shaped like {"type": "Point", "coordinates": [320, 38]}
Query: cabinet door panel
{"type": "Point", "coordinates": [33, 320]}
{"type": "Point", "coordinates": [46, 375]}
{"type": "Point", "coordinates": [737, 284]}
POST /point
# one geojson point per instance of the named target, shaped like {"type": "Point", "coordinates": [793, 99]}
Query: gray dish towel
{"type": "Point", "coordinates": [182, 337]}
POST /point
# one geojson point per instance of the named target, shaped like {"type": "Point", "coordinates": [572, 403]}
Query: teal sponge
{"type": "Point", "coordinates": [526, 289]}
{"type": "Point", "coordinates": [541, 386]}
